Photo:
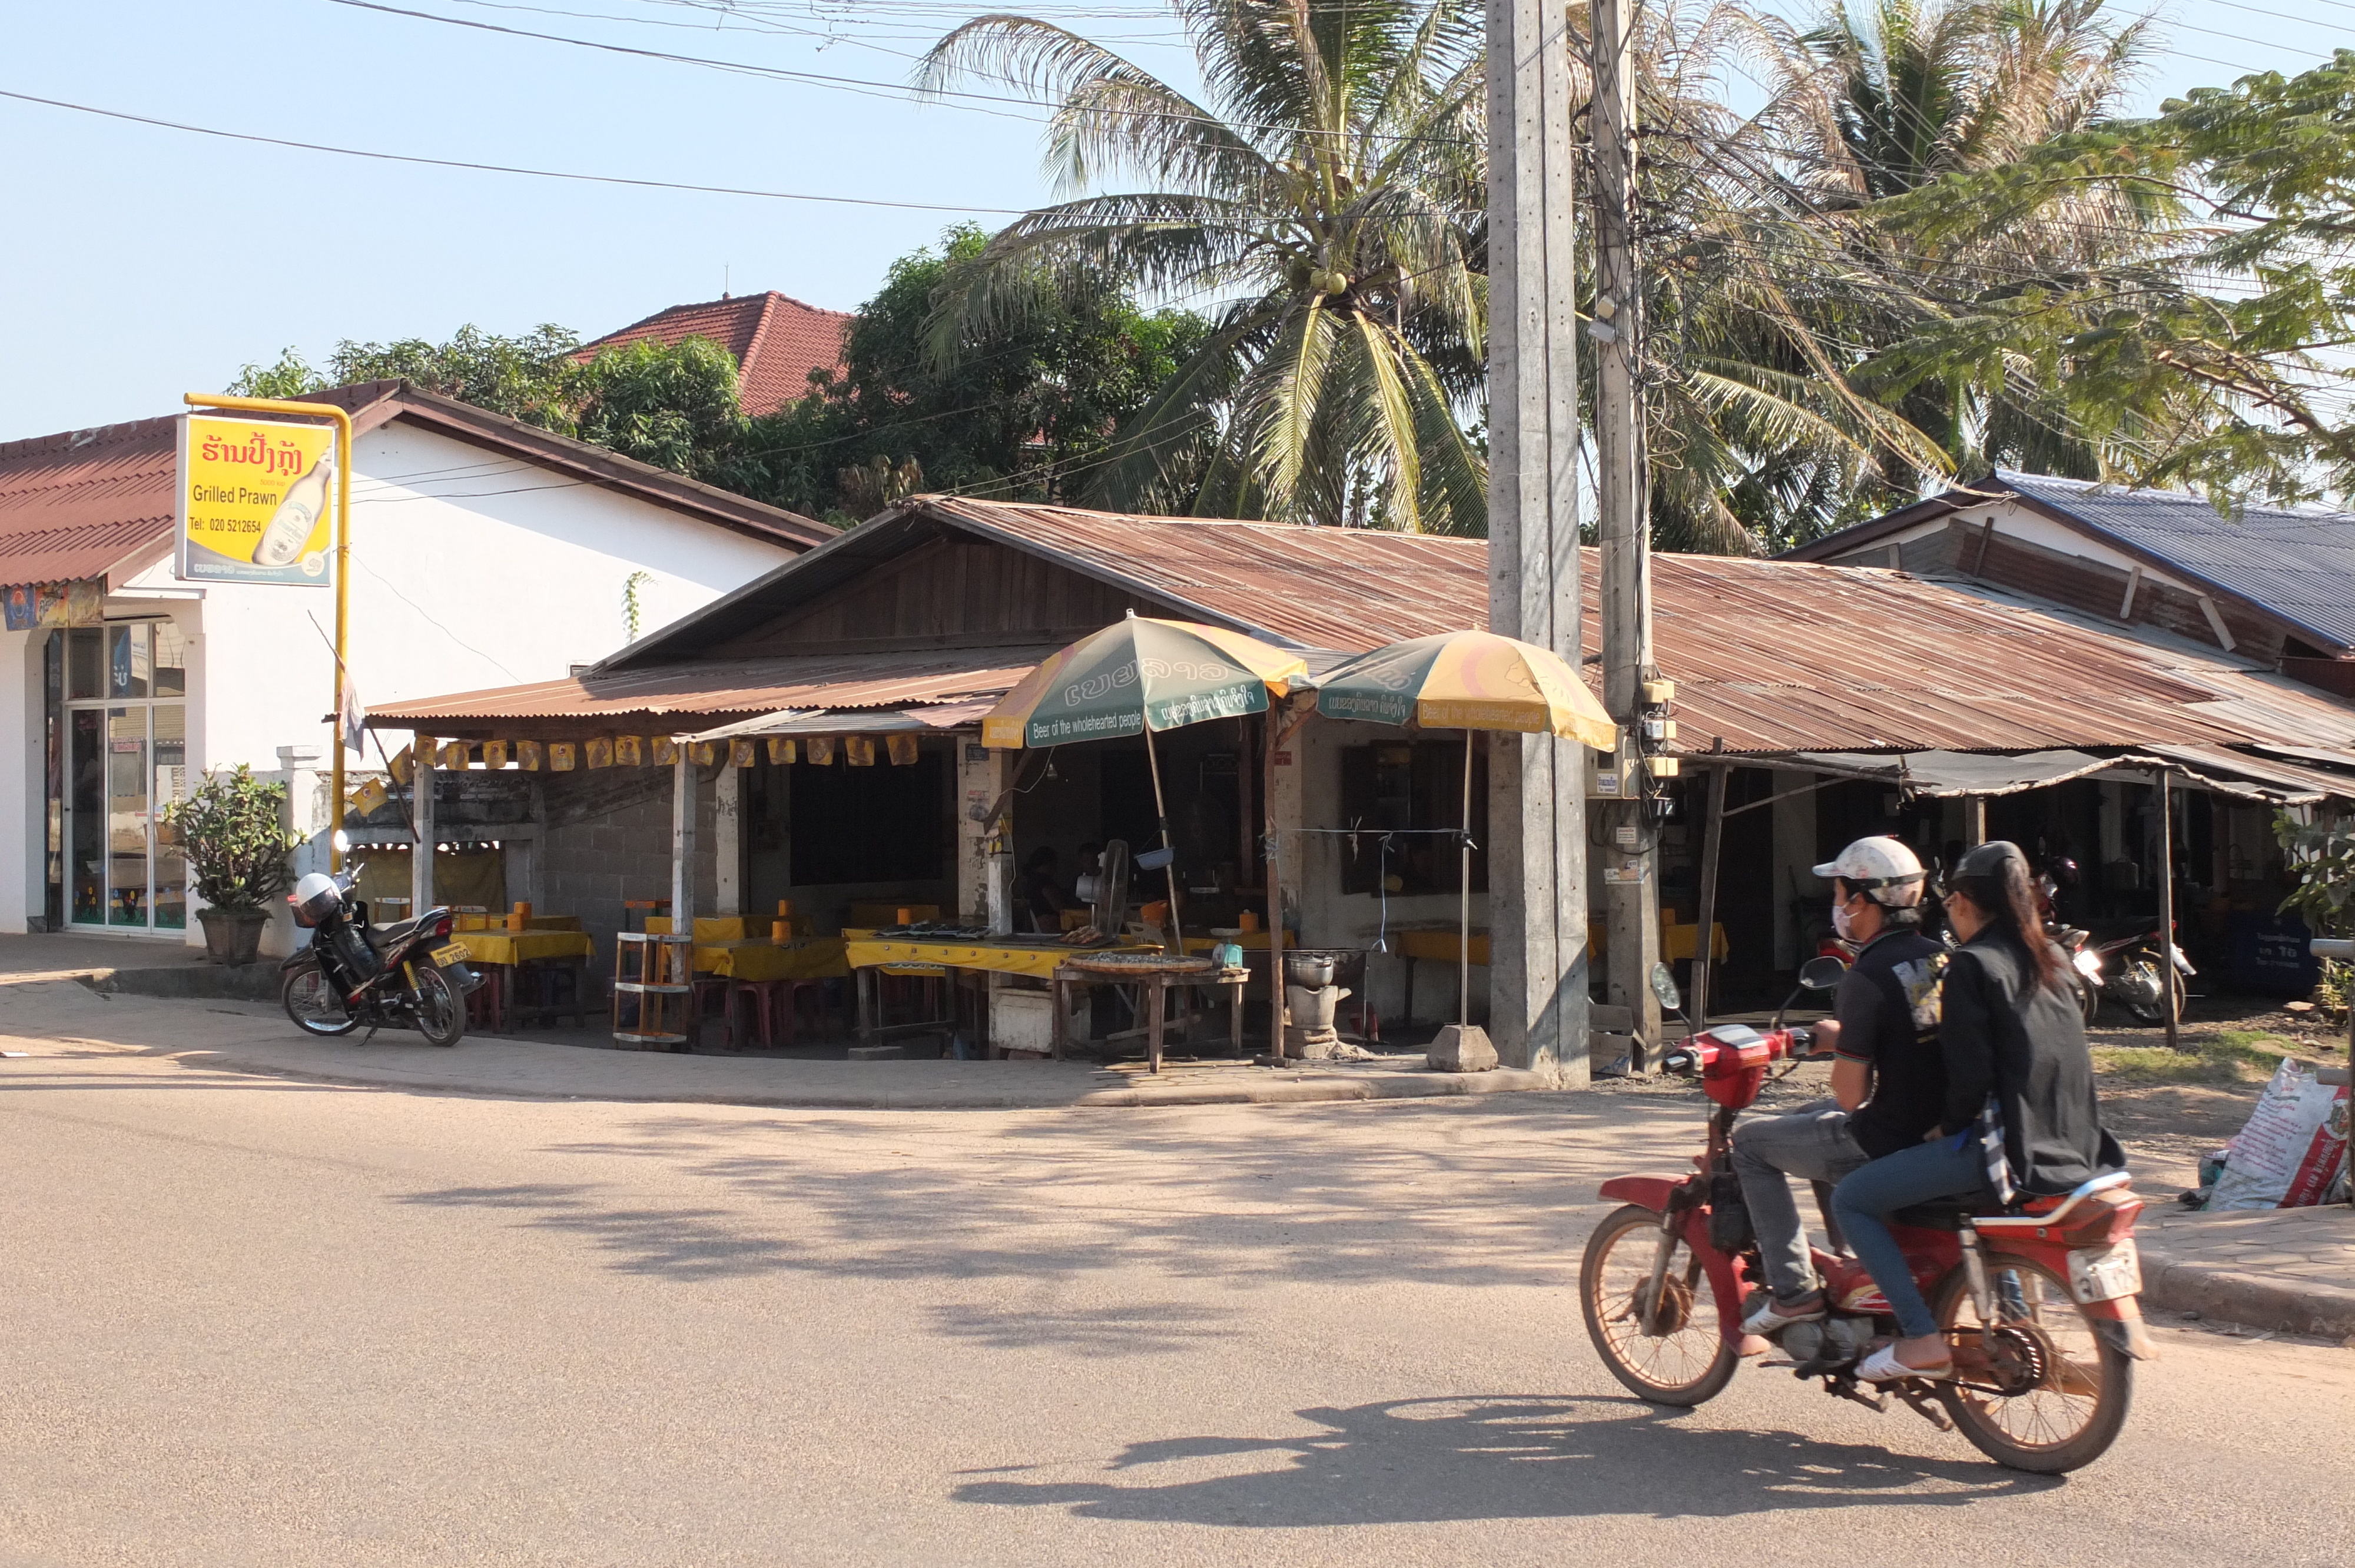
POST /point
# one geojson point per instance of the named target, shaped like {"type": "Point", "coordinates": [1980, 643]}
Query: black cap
{"type": "Point", "coordinates": [1988, 860]}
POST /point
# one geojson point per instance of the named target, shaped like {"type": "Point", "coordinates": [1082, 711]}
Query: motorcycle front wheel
{"type": "Point", "coordinates": [1682, 1360]}
{"type": "Point", "coordinates": [2089, 999]}
{"type": "Point", "coordinates": [2052, 1393]}
{"type": "Point", "coordinates": [311, 1001]}
{"type": "Point", "coordinates": [440, 1011]}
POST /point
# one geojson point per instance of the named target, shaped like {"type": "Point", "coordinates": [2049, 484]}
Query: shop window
{"type": "Point", "coordinates": [1403, 801]}
{"type": "Point", "coordinates": [870, 824]}
{"type": "Point", "coordinates": [85, 662]}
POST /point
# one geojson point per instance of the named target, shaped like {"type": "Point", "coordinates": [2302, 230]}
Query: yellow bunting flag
{"type": "Point", "coordinates": [370, 795]}
{"type": "Point", "coordinates": [402, 764]}
{"type": "Point", "coordinates": [529, 755]}
{"type": "Point", "coordinates": [903, 748]}
{"type": "Point", "coordinates": [598, 753]}
{"type": "Point", "coordinates": [629, 751]}
{"type": "Point", "coordinates": [821, 751]}
{"type": "Point", "coordinates": [560, 756]}
{"type": "Point", "coordinates": [707, 752]}
{"type": "Point", "coordinates": [454, 755]}
{"type": "Point", "coordinates": [665, 751]}
{"type": "Point", "coordinates": [860, 750]}
{"type": "Point", "coordinates": [740, 754]}
{"type": "Point", "coordinates": [494, 754]}
{"type": "Point", "coordinates": [784, 749]}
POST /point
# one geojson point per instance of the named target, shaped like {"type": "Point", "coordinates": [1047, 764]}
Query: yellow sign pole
{"type": "Point", "coordinates": [343, 568]}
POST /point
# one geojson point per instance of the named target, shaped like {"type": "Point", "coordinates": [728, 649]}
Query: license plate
{"type": "Point", "coordinates": [454, 953]}
{"type": "Point", "coordinates": [2105, 1274]}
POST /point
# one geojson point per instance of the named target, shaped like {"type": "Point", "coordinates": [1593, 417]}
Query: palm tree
{"type": "Point", "coordinates": [1326, 196]}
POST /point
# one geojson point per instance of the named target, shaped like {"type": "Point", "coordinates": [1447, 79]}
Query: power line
{"type": "Point", "coordinates": [503, 168]}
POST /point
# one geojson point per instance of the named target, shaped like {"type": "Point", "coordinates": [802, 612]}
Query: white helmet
{"type": "Point", "coordinates": [1882, 868]}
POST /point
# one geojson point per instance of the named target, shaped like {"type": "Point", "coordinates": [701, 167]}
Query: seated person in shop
{"type": "Point", "coordinates": [1042, 892]}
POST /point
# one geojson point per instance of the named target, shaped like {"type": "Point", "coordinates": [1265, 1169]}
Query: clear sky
{"type": "Point", "coordinates": [141, 262]}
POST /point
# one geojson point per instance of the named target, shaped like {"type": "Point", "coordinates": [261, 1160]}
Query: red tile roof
{"type": "Point", "coordinates": [79, 504]}
{"type": "Point", "coordinates": [777, 342]}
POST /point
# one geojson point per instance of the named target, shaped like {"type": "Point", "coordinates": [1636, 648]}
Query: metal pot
{"type": "Point", "coordinates": [1311, 969]}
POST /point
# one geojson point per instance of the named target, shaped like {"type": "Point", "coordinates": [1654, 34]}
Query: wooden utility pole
{"type": "Point", "coordinates": [1631, 882]}
{"type": "Point", "coordinates": [1537, 786]}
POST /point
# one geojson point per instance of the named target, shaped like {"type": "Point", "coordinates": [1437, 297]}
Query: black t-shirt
{"type": "Point", "coordinates": [1887, 1005]}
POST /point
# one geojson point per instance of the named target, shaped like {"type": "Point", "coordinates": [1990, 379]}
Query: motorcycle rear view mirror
{"type": "Point", "coordinates": [1821, 973]}
{"type": "Point", "coordinates": [343, 841]}
{"type": "Point", "coordinates": [1663, 987]}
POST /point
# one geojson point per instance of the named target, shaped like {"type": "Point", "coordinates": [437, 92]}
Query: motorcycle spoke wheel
{"type": "Point", "coordinates": [1684, 1360]}
{"type": "Point", "coordinates": [440, 1011]}
{"type": "Point", "coordinates": [2053, 1394]}
{"type": "Point", "coordinates": [311, 1001]}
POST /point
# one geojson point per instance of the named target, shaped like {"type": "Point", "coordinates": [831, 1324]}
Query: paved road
{"type": "Point", "coordinates": [260, 1322]}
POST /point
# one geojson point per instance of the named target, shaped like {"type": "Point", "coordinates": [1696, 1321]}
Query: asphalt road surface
{"type": "Point", "coordinates": [257, 1322]}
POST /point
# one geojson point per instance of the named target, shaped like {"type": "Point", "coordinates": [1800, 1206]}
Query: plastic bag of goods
{"type": "Point", "coordinates": [2293, 1148]}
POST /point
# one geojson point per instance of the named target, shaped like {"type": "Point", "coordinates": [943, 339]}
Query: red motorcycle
{"type": "Point", "coordinates": [2037, 1299]}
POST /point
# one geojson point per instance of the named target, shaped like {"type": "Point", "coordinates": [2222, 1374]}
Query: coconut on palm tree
{"type": "Point", "coordinates": [1325, 195]}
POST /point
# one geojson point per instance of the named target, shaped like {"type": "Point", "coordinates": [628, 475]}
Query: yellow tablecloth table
{"type": "Point", "coordinates": [521, 947]}
{"type": "Point", "coordinates": [760, 958]}
{"type": "Point", "coordinates": [915, 954]}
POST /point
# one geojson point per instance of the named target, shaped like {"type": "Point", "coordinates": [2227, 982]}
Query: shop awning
{"type": "Point", "coordinates": [926, 719]}
{"type": "Point", "coordinates": [1941, 774]}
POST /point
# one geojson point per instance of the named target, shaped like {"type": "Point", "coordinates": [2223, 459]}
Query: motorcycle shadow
{"type": "Point", "coordinates": [1504, 1456]}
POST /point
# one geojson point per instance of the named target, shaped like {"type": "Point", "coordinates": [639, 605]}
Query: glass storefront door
{"type": "Point", "coordinates": [127, 761]}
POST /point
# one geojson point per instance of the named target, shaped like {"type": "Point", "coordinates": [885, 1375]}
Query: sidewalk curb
{"type": "Point", "coordinates": [2229, 1295]}
{"type": "Point", "coordinates": [1275, 1091]}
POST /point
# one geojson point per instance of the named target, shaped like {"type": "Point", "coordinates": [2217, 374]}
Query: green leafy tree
{"type": "Point", "coordinates": [232, 827]}
{"type": "Point", "coordinates": [532, 378]}
{"type": "Point", "coordinates": [1331, 185]}
{"type": "Point", "coordinates": [1023, 406]}
{"type": "Point", "coordinates": [673, 405]}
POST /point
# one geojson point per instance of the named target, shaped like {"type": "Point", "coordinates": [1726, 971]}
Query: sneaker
{"type": "Point", "coordinates": [1772, 1317]}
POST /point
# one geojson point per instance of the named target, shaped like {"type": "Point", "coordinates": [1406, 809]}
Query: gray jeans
{"type": "Point", "coordinates": [1811, 1143]}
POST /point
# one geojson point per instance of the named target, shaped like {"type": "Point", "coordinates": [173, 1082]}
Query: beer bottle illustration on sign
{"type": "Point", "coordinates": [290, 526]}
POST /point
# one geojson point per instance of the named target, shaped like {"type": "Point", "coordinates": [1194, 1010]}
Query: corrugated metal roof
{"type": "Point", "coordinates": [762, 686]}
{"type": "Point", "coordinates": [2299, 564]}
{"type": "Point", "coordinates": [1769, 657]}
{"type": "Point", "coordinates": [77, 504]}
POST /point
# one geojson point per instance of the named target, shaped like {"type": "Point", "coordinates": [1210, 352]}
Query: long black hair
{"type": "Point", "coordinates": [1994, 878]}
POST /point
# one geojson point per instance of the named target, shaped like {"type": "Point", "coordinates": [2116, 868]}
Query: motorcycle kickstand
{"type": "Point", "coordinates": [1846, 1387]}
{"type": "Point", "coordinates": [1927, 1408]}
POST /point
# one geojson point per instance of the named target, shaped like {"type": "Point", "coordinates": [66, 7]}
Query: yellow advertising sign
{"type": "Point", "coordinates": [256, 500]}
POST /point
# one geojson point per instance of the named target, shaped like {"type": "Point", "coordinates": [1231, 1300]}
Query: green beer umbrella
{"type": "Point", "coordinates": [1140, 676]}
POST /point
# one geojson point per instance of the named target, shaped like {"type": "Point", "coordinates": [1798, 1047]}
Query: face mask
{"type": "Point", "coordinates": [1841, 923]}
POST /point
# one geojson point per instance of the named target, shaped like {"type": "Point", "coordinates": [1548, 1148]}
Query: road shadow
{"type": "Point", "coordinates": [1498, 1456]}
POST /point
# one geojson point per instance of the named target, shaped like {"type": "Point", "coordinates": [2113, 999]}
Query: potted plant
{"type": "Point", "coordinates": [232, 828]}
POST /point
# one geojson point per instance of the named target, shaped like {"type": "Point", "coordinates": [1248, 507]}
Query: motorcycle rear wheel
{"type": "Point", "coordinates": [440, 1011]}
{"type": "Point", "coordinates": [2144, 973]}
{"type": "Point", "coordinates": [311, 1001]}
{"type": "Point", "coordinates": [2079, 1403]}
{"type": "Point", "coordinates": [1689, 1363]}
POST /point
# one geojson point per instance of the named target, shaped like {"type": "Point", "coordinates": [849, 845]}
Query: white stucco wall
{"type": "Point", "coordinates": [471, 569]}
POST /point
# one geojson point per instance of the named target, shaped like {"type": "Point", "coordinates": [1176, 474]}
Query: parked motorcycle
{"type": "Point", "coordinates": [2037, 1299]}
{"type": "Point", "coordinates": [2126, 970]}
{"type": "Point", "coordinates": [354, 973]}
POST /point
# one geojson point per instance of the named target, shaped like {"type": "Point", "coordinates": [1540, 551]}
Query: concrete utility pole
{"type": "Point", "coordinates": [1631, 886]}
{"type": "Point", "coordinates": [1536, 800]}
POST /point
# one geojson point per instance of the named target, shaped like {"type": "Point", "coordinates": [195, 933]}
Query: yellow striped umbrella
{"type": "Point", "coordinates": [1467, 680]}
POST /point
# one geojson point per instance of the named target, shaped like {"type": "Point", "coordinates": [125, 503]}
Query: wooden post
{"type": "Point", "coordinates": [1704, 948]}
{"type": "Point", "coordinates": [682, 845]}
{"type": "Point", "coordinates": [1537, 792]}
{"type": "Point", "coordinates": [2167, 910]}
{"type": "Point", "coordinates": [1974, 821]}
{"type": "Point", "coordinates": [420, 810]}
{"type": "Point", "coordinates": [1631, 895]}
{"type": "Point", "coordinates": [1463, 906]}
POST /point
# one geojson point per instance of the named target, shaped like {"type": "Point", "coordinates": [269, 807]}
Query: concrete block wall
{"type": "Point", "coordinates": [608, 838]}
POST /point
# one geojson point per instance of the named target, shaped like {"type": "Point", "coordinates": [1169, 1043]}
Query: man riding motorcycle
{"type": "Point", "coordinates": [1888, 1078]}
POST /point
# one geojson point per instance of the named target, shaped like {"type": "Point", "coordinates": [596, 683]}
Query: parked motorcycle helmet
{"type": "Point", "coordinates": [316, 897]}
{"type": "Point", "coordinates": [1881, 868]}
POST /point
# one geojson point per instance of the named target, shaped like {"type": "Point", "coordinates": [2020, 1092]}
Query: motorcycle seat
{"type": "Point", "coordinates": [382, 938]}
{"type": "Point", "coordinates": [1940, 1213]}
